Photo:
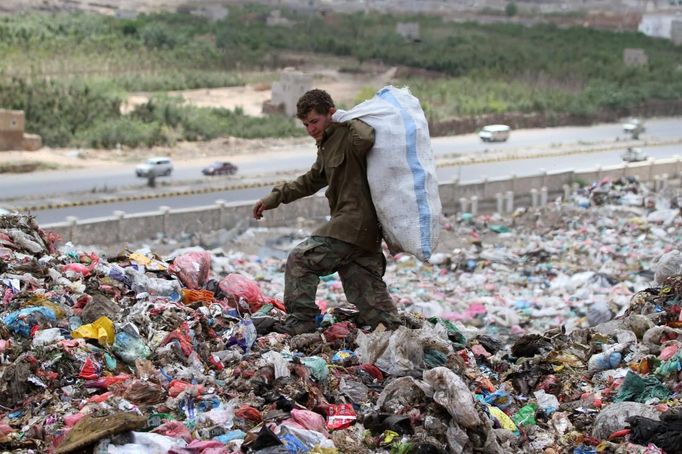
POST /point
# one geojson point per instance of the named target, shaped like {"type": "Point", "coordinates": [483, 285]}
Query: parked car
{"type": "Point", "coordinates": [220, 168]}
{"type": "Point", "coordinates": [634, 126]}
{"type": "Point", "coordinates": [494, 133]}
{"type": "Point", "coordinates": [159, 166]}
{"type": "Point", "coordinates": [634, 155]}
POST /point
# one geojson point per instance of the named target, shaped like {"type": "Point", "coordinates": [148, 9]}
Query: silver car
{"type": "Point", "coordinates": [159, 166]}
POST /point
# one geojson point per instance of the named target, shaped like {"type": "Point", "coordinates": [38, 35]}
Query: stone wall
{"type": "Point", "coordinates": [119, 229]}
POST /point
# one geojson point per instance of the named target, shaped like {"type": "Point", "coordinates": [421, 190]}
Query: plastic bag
{"type": "Point", "coordinates": [401, 170]}
{"type": "Point", "coordinates": [613, 417]}
{"type": "Point", "coordinates": [130, 347]}
{"type": "Point", "coordinates": [525, 416]}
{"type": "Point", "coordinates": [340, 416]}
{"type": "Point", "coordinates": [146, 443]}
{"type": "Point", "coordinates": [237, 286]}
{"type": "Point", "coordinates": [403, 353]}
{"type": "Point", "coordinates": [47, 337]}
{"type": "Point", "coordinates": [22, 321]}
{"type": "Point", "coordinates": [101, 329]}
{"type": "Point", "coordinates": [174, 429]}
{"type": "Point", "coordinates": [401, 393]}
{"type": "Point", "coordinates": [338, 331]}
{"type": "Point", "coordinates": [666, 265]}
{"type": "Point", "coordinates": [192, 268]}
{"type": "Point", "coordinates": [310, 420]}
{"type": "Point", "coordinates": [318, 367]}
{"type": "Point", "coordinates": [278, 362]}
{"type": "Point", "coordinates": [243, 334]}
{"type": "Point", "coordinates": [141, 283]}
{"type": "Point", "coordinates": [450, 391]}
{"type": "Point", "coordinates": [641, 389]}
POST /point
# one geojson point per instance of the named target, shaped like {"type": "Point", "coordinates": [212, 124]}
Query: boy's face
{"type": "Point", "coordinates": [315, 123]}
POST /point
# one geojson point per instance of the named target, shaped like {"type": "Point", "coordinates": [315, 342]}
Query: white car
{"type": "Point", "coordinates": [633, 126]}
{"type": "Point", "coordinates": [159, 166]}
{"type": "Point", "coordinates": [634, 155]}
{"type": "Point", "coordinates": [494, 133]}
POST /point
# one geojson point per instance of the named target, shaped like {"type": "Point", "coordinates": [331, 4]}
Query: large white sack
{"type": "Point", "coordinates": [401, 170]}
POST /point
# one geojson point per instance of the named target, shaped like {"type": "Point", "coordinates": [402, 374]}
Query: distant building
{"type": "Point", "coordinates": [408, 30]}
{"type": "Point", "coordinates": [676, 31]}
{"type": "Point", "coordinates": [635, 57]}
{"type": "Point", "coordinates": [213, 13]}
{"type": "Point", "coordinates": [285, 93]}
{"type": "Point", "coordinates": [275, 19]}
{"type": "Point", "coordinates": [129, 14]}
{"type": "Point", "coordinates": [12, 136]}
{"type": "Point", "coordinates": [658, 25]}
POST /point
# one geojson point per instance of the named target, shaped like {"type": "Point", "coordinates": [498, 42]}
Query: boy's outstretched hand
{"type": "Point", "coordinates": [258, 209]}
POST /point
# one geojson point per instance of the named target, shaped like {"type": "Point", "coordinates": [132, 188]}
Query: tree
{"type": "Point", "coordinates": [511, 9]}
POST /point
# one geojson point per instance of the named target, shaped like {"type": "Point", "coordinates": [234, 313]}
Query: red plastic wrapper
{"type": "Point", "coordinates": [373, 370]}
{"type": "Point", "coordinates": [190, 296]}
{"type": "Point", "coordinates": [338, 331]}
{"type": "Point", "coordinates": [106, 382]}
{"type": "Point", "coordinates": [215, 362]}
{"type": "Point", "coordinates": [181, 335]}
{"type": "Point", "coordinates": [249, 413]}
{"type": "Point", "coordinates": [340, 416]}
{"type": "Point", "coordinates": [192, 268]}
{"type": "Point", "coordinates": [237, 286]}
{"type": "Point", "coordinates": [99, 398]}
{"type": "Point", "coordinates": [174, 429]}
{"type": "Point", "coordinates": [91, 370]}
{"type": "Point", "coordinates": [177, 386]}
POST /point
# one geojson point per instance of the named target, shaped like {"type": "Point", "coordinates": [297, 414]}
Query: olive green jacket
{"type": "Point", "coordinates": [341, 164]}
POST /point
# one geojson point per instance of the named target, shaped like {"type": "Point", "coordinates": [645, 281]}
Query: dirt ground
{"type": "Point", "coordinates": [343, 87]}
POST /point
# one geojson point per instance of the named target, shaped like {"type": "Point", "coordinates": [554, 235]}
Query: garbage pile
{"type": "Point", "coordinates": [542, 335]}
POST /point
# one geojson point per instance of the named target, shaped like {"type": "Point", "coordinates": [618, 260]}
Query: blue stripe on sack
{"type": "Point", "coordinates": [418, 173]}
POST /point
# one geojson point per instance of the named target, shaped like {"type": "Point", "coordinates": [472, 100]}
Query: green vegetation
{"type": "Point", "coordinates": [81, 68]}
{"type": "Point", "coordinates": [511, 9]}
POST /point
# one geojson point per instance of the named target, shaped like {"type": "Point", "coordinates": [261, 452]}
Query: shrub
{"type": "Point", "coordinates": [126, 131]}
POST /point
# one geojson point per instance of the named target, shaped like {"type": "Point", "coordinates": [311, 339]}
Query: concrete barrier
{"type": "Point", "coordinates": [121, 228]}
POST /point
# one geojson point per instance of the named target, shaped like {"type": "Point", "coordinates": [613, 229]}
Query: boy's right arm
{"type": "Point", "coordinates": [307, 184]}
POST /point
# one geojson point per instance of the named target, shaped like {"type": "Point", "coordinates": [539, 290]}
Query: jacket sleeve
{"type": "Point", "coordinates": [362, 136]}
{"type": "Point", "coordinates": [307, 184]}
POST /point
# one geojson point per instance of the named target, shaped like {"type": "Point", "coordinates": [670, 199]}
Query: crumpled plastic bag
{"type": "Point", "coordinates": [101, 330]}
{"type": "Point", "coordinates": [613, 417]}
{"type": "Point", "coordinates": [309, 420]}
{"type": "Point", "coordinates": [667, 265]}
{"type": "Point", "coordinates": [22, 321]}
{"type": "Point", "coordinates": [238, 286]}
{"type": "Point", "coordinates": [192, 268]}
{"type": "Point", "coordinates": [450, 391]}
{"type": "Point", "coordinates": [147, 443]}
{"type": "Point", "coordinates": [130, 347]}
{"type": "Point", "coordinates": [141, 283]}
{"type": "Point", "coordinates": [174, 429]}
{"type": "Point", "coordinates": [401, 393]}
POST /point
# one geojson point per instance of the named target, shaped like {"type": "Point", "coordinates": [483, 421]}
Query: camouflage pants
{"type": "Point", "coordinates": [360, 271]}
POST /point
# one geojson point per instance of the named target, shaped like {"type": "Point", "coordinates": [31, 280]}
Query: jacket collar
{"type": "Point", "coordinates": [327, 133]}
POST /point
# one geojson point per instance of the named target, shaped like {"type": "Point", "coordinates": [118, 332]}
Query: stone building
{"type": "Point", "coordinates": [285, 93]}
{"type": "Point", "coordinates": [635, 57]}
{"type": "Point", "coordinates": [12, 136]}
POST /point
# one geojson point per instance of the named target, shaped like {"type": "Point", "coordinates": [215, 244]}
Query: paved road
{"type": "Point", "coordinates": [302, 157]}
{"type": "Point", "coordinates": [464, 173]}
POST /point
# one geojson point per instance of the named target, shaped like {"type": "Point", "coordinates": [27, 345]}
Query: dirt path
{"type": "Point", "coordinates": [343, 87]}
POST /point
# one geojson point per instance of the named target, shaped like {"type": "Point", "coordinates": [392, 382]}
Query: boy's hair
{"type": "Point", "coordinates": [317, 100]}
